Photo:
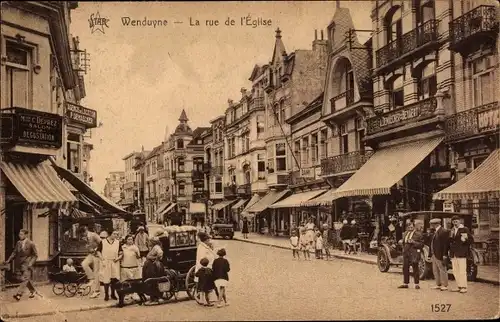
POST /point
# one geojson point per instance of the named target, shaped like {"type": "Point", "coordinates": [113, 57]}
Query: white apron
{"type": "Point", "coordinates": [109, 268]}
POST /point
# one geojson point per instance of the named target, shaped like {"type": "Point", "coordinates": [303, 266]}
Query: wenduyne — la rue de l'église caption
{"type": "Point", "coordinates": [243, 21]}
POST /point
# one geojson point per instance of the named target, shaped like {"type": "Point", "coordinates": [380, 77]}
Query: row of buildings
{"type": "Point", "coordinates": [357, 126]}
{"type": "Point", "coordinates": [45, 184]}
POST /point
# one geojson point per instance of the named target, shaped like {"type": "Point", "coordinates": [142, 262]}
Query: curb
{"type": "Point", "coordinates": [361, 260]}
{"type": "Point", "coordinates": [29, 315]}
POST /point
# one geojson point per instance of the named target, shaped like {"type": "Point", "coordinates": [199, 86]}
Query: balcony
{"type": "Point", "coordinates": [197, 175]}
{"type": "Point", "coordinates": [473, 29]}
{"type": "Point", "coordinates": [230, 190]}
{"type": "Point", "coordinates": [407, 46]}
{"type": "Point", "coordinates": [257, 102]}
{"type": "Point", "coordinates": [343, 100]}
{"type": "Point", "coordinates": [347, 162]}
{"type": "Point", "coordinates": [245, 189]}
{"type": "Point", "coordinates": [217, 171]}
{"type": "Point", "coordinates": [409, 114]}
{"type": "Point", "coordinates": [207, 166]}
{"type": "Point", "coordinates": [275, 179]}
{"type": "Point", "coordinates": [477, 121]}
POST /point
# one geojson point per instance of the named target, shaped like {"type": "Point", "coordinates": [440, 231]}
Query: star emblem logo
{"type": "Point", "coordinates": [97, 23]}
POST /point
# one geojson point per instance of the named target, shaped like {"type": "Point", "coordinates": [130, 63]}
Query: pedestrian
{"type": "Point", "coordinates": [304, 244]}
{"type": "Point", "coordinates": [310, 227]}
{"type": "Point", "coordinates": [327, 240]}
{"type": "Point", "coordinates": [69, 267]}
{"type": "Point", "coordinates": [221, 270]}
{"type": "Point", "coordinates": [130, 260]}
{"type": "Point", "coordinates": [440, 244]}
{"type": "Point", "coordinates": [111, 253]}
{"type": "Point", "coordinates": [24, 256]}
{"type": "Point", "coordinates": [412, 245]}
{"type": "Point", "coordinates": [93, 243]}
{"type": "Point", "coordinates": [205, 280]}
{"type": "Point", "coordinates": [319, 245]}
{"type": "Point", "coordinates": [205, 250]}
{"type": "Point", "coordinates": [244, 229]}
{"type": "Point", "coordinates": [354, 236]}
{"type": "Point", "coordinates": [153, 267]}
{"type": "Point", "coordinates": [141, 240]}
{"type": "Point", "coordinates": [294, 242]}
{"type": "Point", "coordinates": [345, 235]}
{"type": "Point", "coordinates": [460, 241]}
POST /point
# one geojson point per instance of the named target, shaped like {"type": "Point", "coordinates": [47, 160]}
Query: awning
{"type": "Point", "coordinates": [222, 204]}
{"type": "Point", "coordinates": [323, 200]}
{"type": "Point", "coordinates": [107, 206]}
{"type": "Point", "coordinates": [162, 207]}
{"type": "Point", "coordinates": [39, 184]}
{"type": "Point", "coordinates": [167, 210]}
{"type": "Point", "coordinates": [255, 198]}
{"type": "Point", "coordinates": [239, 204]}
{"type": "Point", "coordinates": [483, 182]}
{"type": "Point", "coordinates": [385, 168]}
{"type": "Point", "coordinates": [271, 197]}
{"type": "Point", "coordinates": [196, 208]}
{"type": "Point", "coordinates": [297, 199]}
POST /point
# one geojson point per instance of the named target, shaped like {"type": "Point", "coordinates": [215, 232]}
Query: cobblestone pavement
{"type": "Point", "coordinates": [267, 284]}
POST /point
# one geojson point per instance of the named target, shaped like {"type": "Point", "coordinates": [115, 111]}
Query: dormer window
{"type": "Point", "coordinates": [180, 144]}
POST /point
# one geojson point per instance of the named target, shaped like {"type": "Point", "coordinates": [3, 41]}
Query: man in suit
{"type": "Point", "coordinates": [439, 254]}
{"type": "Point", "coordinates": [24, 256]}
{"type": "Point", "coordinates": [412, 245]}
{"type": "Point", "coordinates": [460, 241]}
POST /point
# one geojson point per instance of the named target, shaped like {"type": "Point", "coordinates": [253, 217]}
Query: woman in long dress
{"type": "Point", "coordinates": [310, 235]}
{"type": "Point", "coordinates": [153, 267]}
{"type": "Point", "coordinates": [111, 252]}
{"type": "Point", "coordinates": [244, 230]}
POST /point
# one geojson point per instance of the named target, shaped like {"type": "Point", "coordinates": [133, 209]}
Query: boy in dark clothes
{"type": "Point", "coordinates": [220, 275]}
{"type": "Point", "coordinates": [205, 280]}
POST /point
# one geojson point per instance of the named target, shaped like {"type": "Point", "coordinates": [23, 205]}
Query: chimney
{"type": "Point", "coordinates": [319, 44]}
{"type": "Point", "coordinates": [243, 92]}
{"type": "Point", "coordinates": [230, 102]}
{"type": "Point", "coordinates": [322, 38]}
{"type": "Point", "coordinates": [315, 34]}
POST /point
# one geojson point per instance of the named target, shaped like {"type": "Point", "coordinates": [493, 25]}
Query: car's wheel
{"type": "Point", "coordinates": [424, 268]}
{"type": "Point", "coordinates": [383, 261]}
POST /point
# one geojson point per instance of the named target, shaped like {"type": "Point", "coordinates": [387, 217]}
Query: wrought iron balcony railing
{"type": "Point", "coordinates": [351, 161]}
{"type": "Point", "coordinates": [402, 116]}
{"type": "Point", "coordinates": [470, 28]}
{"type": "Point", "coordinates": [245, 189]}
{"type": "Point", "coordinates": [407, 43]}
{"type": "Point", "coordinates": [342, 100]}
{"type": "Point", "coordinates": [476, 121]}
{"type": "Point", "coordinates": [230, 190]}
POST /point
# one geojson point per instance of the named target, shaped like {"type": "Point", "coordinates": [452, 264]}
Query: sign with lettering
{"type": "Point", "coordinates": [81, 115]}
{"type": "Point", "coordinates": [38, 128]}
{"type": "Point", "coordinates": [400, 116]}
{"type": "Point", "coordinates": [488, 120]}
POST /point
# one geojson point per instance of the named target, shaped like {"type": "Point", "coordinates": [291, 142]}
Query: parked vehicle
{"type": "Point", "coordinates": [222, 230]}
{"type": "Point", "coordinates": [390, 252]}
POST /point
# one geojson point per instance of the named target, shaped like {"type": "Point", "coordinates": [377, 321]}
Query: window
{"type": "Point", "coordinates": [427, 82]}
{"type": "Point", "coordinates": [282, 115]}
{"type": "Point", "coordinates": [396, 93]}
{"type": "Point", "coordinates": [314, 148]}
{"type": "Point", "coordinates": [198, 186]}
{"type": "Point", "coordinates": [247, 142]}
{"type": "Point", "coordinates": [260, 127]}
{"type": "Point", "coordinates": [360, 134]}
{"type": "Point", "coordinates": [18, 76]}
{"type": "Point", "coordinates": [182, 189]}
{"type": "Point", "coordinates": [180, 165]}
{"type": "Point", "coordinates": [232, 176]}
{"type": "Point", "coordinates": [344, 139]}
{"type": "Point", "coordinates": [276, 116]}
{"type": "Point", "coordinates": [323, 151]}
{"type": "Point", "coordinates": [198, 164]}
{"type": "Point", "coordinates": [483, 79]}
{"type": "Point", "coordinates": [233, 147]}
{"type": "Point", "coordinates": [218, 187]}
{"type": "Point", "coordinates": [296, 150]}
{"type": "Point", "coordinates": [261, 167]}
{"type": "Point", "coordinates": [305, 152]}
{"type": "Point", "coordinates": [153, 168]}
{"type": "Point", "coordinates": [394, 25]}
{"type": "Point", "coordinates": [73, 151]}
{"type": "Point", "coordinates": [425, 12]}
{"type": "Point", "coordinates": [439, 157]}
{"type": "Point", "coordinates": [280, 157]}
{"type": "Point", "coordinates": [180, 144]}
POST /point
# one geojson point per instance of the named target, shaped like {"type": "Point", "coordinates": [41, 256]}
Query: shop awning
{"type": "Point", "coordinates": [39, 184]}
{"type": "Point", "coordinates": [168, 209]}
{"type": "Point", "coordinates": [105, 205]}
{"type": "Point", "coordinates": [271, 197]}
{"type": "Point", "coordinates": [162, 207]}
{"type": "Point", "coordinates": [239, 204]}
{"type": "Point", "coordinates": [297, 199]}
{"type": "Point", "coordinates": [323, 200]}
{"type": "Point", "coordinates": [196, 208]}
{"type": "Point", "coordinates": [223, 204]}
{"type": "Point", "coordinates": [385, 168]}
{"type": "Point", "coordinates": [255, 198]}
{"type": "Point", "coordinates": [482, 183]}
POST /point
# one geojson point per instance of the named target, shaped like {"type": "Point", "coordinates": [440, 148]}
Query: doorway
{"type": "Point", "coordinates": [13, 224]}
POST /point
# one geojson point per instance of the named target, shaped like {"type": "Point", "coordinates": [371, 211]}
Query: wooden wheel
{"type": "Point", "coordinates": [190, 283]}
{"type": "Point", "coordinates": [383, 261]}
{"type": "Point", "coordinates": [58, 288]}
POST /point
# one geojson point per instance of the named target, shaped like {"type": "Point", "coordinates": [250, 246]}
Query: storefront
{"type": "Point", "coordinates": [222, 211]}
{"type": "Point", "coordinates": [263, 213]}
{"type": "Point", "coordinates": [251, 216]}
{"type": "Point", "coordinates": [236, 210]}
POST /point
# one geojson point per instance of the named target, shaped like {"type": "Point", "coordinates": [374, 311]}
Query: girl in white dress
{"type": "Point", "coordinates": [310, 235]}
{"type": "Point", "coordinates": [111, 253]}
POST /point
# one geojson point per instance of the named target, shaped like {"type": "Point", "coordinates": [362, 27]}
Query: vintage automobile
{"type": "Point", "coordinates": [179, 258]}
{"type": "Point", "coordinates": [222, 230]}
{"type": "Point", "coordinates": [390, 252]}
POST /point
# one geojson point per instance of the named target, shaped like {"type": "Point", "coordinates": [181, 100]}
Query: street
{"type": "Point", "coordinates": [267, 284]}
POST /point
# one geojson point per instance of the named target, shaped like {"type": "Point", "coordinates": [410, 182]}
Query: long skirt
{"type": "Point", "coordinates": [152, 269]}
{"type": "Point", "coordinates": [109, 269]}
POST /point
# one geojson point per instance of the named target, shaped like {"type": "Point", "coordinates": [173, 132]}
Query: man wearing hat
{"type": "Point", "coordinates": [439, 252]}
{"type": "Point", "coordinates": [412, 246]}
{"type": "Point", "coordinates": [460, 241]}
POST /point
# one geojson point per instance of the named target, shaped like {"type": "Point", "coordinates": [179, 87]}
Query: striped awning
{"type": "Point", "coordinates": [271, 197]}
{"type": "Point", "coordinates": [196, 208]}
{"type": "Point", "coordinates": [239, 204]}
{"type": "Point", "coordinates": [168, 209]}
{"type": "Point", "coordinates": [385, 168]}
{"type": "Point", "coordinates": [223, 204]}
{"type": "Point", "coordinates": [297, 199]}
{"type": "Point", "coordinates": [482, 183]}
{"type": "Point", "coordinates": [252, 202]}
{"type": "Point", "coordinates": [323, 200]}
{"type": "Point", "coordinates": [39, 185]}
{"type": "Point", "coordinates": [162, 207]}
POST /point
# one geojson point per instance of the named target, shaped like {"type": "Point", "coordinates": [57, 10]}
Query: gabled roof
{"type": "Point", "coordinates": [155, 152]}
{"type": "Point", "coordinates": [257, 70]}
{"type": "Point", "coordinates": [197, 133]}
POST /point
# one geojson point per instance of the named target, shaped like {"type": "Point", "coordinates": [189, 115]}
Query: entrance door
{"type": "Point", "coordinates": [13, 224]}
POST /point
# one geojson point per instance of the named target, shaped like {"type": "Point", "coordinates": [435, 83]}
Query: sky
{"type": "Point", "coordinates": [141, 77]}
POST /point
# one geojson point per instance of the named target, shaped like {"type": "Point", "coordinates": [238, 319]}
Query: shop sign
{"type": "Point", "coordinates": [488, 120]}
{"type": "Point", "coordinates": [448, 207]}
{"type": "Point", "coordinates": [81, 115]}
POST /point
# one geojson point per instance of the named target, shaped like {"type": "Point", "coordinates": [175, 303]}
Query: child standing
{"type": "Point", "coordinates": [205, 280]}
{"type": "Point", "coordinates": [319, 245]}
{"type": "Point", "coordinates": [294, 242]}
{"type": "Point", "coordinates": [69, 267]}
{"type": "Point", "coordinates": [304, 244]}
{"type": "Point", "coordinates": [221, 269]}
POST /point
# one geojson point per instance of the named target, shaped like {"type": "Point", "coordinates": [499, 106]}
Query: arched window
{"type": "Point", "coordinates": [246, 171]}
{"type": "Point", "coordinates": [394, 24]}
{"type": "Point", "coordinates": [425, 11]}
{"type": "Point", "coordinates": [427, 82]}
{"type": "Point", "coordinates": [396, 93]}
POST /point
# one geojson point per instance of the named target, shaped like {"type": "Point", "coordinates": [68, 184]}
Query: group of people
{"type": "Point", "coordinates": [307, 237]}
{"type": "Point", "coordinates": [445, 245]}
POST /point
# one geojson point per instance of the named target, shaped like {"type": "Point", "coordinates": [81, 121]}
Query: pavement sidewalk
{"type": "Point", "coordinates": [46, 304]}
{"type": "Point", "coordinates": [486, 273]}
